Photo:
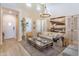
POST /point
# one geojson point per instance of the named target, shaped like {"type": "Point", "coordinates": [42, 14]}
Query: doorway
{"type": "Point", "coordinates": [10, 28]}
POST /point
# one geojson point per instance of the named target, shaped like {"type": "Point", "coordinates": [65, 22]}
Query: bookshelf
{"type": "Point", "coordinates": [57, 24]}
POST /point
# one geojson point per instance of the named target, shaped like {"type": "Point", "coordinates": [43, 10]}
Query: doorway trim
{"type": "Point", "coordinates": [10, 12]}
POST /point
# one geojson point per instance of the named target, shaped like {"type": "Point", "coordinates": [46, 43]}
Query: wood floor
{"type": "Point", "coordinates": [12, 48]}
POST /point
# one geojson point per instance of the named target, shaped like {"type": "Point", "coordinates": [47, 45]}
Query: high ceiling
{"type": "Point", "coordinates": [55, 9]}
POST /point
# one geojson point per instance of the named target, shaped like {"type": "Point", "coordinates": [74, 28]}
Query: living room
{"type": "Point", "coordinates": [49, 29]}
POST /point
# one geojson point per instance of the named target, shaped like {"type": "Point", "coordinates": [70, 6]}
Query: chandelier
{"type": "Point", "coordinates": [44, 13]}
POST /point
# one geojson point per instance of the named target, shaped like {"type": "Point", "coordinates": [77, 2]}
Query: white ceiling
{"type": "Point", "coordinates": [55, 9]}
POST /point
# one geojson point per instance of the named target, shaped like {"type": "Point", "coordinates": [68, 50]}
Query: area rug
{"type": "Point", "coordinates": [54, 51]}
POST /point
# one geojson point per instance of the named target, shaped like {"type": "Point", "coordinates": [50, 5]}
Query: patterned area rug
{"type": "Point", "coordinates": [53, 51]}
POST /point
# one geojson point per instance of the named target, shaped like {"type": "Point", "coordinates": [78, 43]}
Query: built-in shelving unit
{"type": "Point", "coordinates": [57, 24]}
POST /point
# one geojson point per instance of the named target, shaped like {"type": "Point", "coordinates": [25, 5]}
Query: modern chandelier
{"type": "Point", "coordinates": [44, 13]}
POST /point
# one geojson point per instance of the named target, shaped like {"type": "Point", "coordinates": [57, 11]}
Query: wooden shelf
{"type": "Point", "coordinates": [57, 31]}
{"type": "Point", "coordinates": [57, 17]}
{"type": "Point", "coordinates": [59, 24]}
{"type": "Point", "coordinates": [57, 28]}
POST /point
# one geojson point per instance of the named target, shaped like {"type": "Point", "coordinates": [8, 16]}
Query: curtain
{"type": "Point", "coordinates": [41, 25]}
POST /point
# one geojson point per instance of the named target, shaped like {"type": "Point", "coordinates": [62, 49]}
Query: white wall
{"type": "Point", "coordinates": [0, 25]}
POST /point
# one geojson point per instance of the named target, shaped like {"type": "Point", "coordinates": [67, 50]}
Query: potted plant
{"type": "Point", "coordinates": [23, 23]}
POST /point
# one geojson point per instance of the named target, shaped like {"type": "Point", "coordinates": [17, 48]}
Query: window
{"type": "Point", "coordinates": [41, 25]}
{"type": "Point", "coordinates": [28, 25]}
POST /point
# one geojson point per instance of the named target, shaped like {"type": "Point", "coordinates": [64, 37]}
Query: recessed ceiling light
{"type": "Point", "coordinates": [38, 8]}
{"type": "Point", "coordinates": [28, 4]}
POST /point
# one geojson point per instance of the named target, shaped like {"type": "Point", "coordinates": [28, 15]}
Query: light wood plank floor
{"type": "Point", "coordinates": [12, 48]}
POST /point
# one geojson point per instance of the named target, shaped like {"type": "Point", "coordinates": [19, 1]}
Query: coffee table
{"type": "Point", "coordinates": [40, 43]}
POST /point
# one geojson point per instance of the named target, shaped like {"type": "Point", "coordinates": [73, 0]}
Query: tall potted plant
{"type": "Point", "coordinates": [23, 23]}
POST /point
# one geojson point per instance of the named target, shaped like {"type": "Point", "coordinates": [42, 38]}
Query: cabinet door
{"type": "Point", "coordinates": [78, 26]}
{"type": "Point", "coordinates": [75, 27]}
{"type": "Point", "coordinates": [68, 22]}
